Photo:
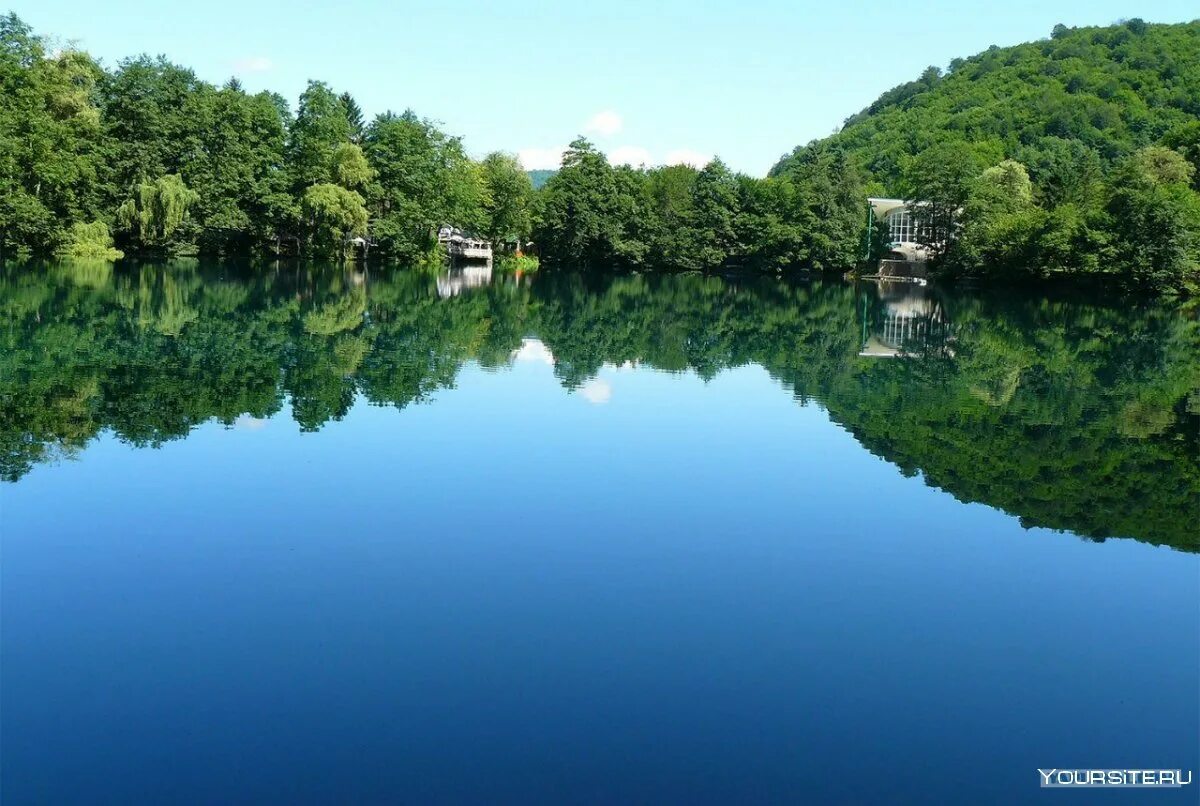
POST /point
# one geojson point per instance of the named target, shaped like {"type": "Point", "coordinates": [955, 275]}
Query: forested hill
{"type": "Point", "coordinates": [1107, 91]}
{"type": "Point", "coordinates": [540, 176]}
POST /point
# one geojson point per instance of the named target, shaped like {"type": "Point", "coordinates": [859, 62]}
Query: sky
{"type": "Point", "coordinates": [652, 83]}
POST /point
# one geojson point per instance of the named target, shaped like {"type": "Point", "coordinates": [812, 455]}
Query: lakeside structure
{"type": "Point", "coordinates": [461, 245]}
{"type": "Point", "coordinates": [903, 229]}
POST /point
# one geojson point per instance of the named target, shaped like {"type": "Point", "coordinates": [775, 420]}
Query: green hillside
{"type": "Point", "coordinates": [1084, 91]}
{"type": "Point", "coordinates": [1075, 155]}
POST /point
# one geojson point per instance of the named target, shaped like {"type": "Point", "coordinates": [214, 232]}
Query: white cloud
{"type": "Point", "coordinates": [686, 156]}
{"type": "Point", "coordinates": [533, 351]}
{"type": "Point", "coordinates": [596, 391]}
{"type": "Point", "coordinates": [247, 423]}
{"type": "Point", "coordinates": [605, 124]}
{"type": "Point", "coordinates": [253, 64]}
{"type": "Point", "coordinates": [535, 159]}
{"type": "Point", "coordinates": [630, 155]}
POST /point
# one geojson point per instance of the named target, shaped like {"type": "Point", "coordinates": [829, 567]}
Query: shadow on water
{"type": "Point", "coordinates": [1073, 414]}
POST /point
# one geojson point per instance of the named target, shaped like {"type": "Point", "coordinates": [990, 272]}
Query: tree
{"type": "Point", "coordinates": [150, 116]}
{"type": "Point", "coordinates": [1063, 171]}
{"type": "Point", "coordinates": [669, 212]}
{"type": "Point", "coordinates": [1185, 138]}
{"type": "Point", "coordinates": [591, 211]}
{"type": "Point", "coordinates": [51, 141]}
{"type": "Point", "coordinates": [1159, 165]}
{"type": "Point", "coordinates": [237, 169]}
{"type": "Point", "coordinates": [332, 215]}
{"type": "Point", "coordinates": [91, 241]}
{"type": "Point", "coordinates": [319, 128]}
{"type": "Point", "coordinates": [713, 221]}
{"type": "Point", "coordinates": [422, 180]}
{"type": "Point", "coordinates": [831, 187]}
{"type": "Point", "coordinates": [154, 214]}
{"type": "Point", "coordinates": [507, 200]}
{"type": "Point", "coordinates": [354, 116]}
{"type": "Point", "coordinates": [349, 167]}
{"type": "Point", "coordinates": [1156, 220]}
{"type": "Point", "coordinates": [938, 183]}
{"type": "Point", "coordinates": [999, 222]}
{"type": "Point", "coordinates": [1004, 187]}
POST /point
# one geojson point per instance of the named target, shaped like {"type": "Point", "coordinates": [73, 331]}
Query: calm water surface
{"type": "Point", "coordinates": [319, 535]}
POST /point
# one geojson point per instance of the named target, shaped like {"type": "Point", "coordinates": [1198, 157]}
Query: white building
{"type": "Point", "coordinates": [903, 228]}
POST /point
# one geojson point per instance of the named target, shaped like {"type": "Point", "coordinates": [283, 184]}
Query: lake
{"type": "Point", "coordinates": [319, 534]}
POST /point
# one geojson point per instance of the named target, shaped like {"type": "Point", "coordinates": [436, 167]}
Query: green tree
{"type": "Point", "coordinates": [237, 169]}
{"type": "Point", "coordinates": [91, 241]}
{"type": "Point", "coordinates": [669, 212]}
{"type": "Point", "coordinates": [150, 113]}
{"type": "Point", "coordinates": [354, 116]}
{"type": "Point", "coordinates": [154, 215]}
{"type": "Point", "coordinates": [1185, 138]}
{"type": "Point", "coordinates": [508, 198]}
{"type": "Point", "coordinates": [52, 147]}
{"type": "Point", "coordinates": [422, 180]}
{"type": "Point", "coordinates": [714, 215]}
{"type": "Point", "coordinates": [1156, 220]}
{"type": "Point", "coordinates": [319, 128]}
{"type": "Point", "coordinates": [939, 181]}
{"type": "Point", "coordinates": [332, 215]}
{"type": "Point", "coordinates": [831, 187]}
{"type": "Point", "coordinates": [349, 167]}
{"type": "Point", "coordinates": [591, 211]}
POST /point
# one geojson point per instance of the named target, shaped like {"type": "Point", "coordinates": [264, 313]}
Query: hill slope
{"type": "Point", "coordinates": [540, 176]}
{"type": "Point", "coordinates": [1106, 90]}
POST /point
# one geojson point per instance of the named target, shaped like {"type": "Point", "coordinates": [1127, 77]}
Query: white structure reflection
{"type": "Point", "coordinates": [462, 278]}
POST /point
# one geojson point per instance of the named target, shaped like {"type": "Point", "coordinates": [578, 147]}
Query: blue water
{"type": "Point", "coordinates": [651, 587]}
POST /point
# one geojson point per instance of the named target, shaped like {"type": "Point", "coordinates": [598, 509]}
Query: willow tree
{"type": "Point", "coordinates": [156, 211]}
{"type": "Point", "coordinates": [91, 240]}
{"type": "Point", "coordinates": [332, 215]}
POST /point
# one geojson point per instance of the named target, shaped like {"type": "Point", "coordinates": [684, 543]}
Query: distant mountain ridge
{"type": "Point", "coordinates": [540, 177]}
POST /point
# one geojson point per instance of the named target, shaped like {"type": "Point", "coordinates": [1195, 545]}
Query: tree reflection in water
{"type": "Point", "coordinates": [1073, 414]}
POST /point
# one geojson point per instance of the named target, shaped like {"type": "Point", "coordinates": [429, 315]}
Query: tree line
{"type": "Point", "coordinates": [1078, 155]}
{"type": "Point", "coordinates": [1075, 155]}
{"type": "Point", "coordinates": [148, 159]}
{"type": "Point", "coordinates": [679, 217]}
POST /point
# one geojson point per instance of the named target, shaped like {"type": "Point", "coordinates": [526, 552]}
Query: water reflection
{"type": "Point", "coordinates": [1076, 415]}
{"type": "Point", "coordinates": [904, 319]}
{"type": "Point", "coordinates": [458, 279]}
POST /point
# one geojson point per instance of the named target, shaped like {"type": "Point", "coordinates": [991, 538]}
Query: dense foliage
{"type": "Point", "coordinates": [1077, 154]}
{"type": "Point", "coordinates": [1072, 415]}
{"type": "Point", "coordinates": [168, 164]}
{"type": "Point", "coordinates": [147, 158]}
{"type": "Point", "coordinates": [593, 214]}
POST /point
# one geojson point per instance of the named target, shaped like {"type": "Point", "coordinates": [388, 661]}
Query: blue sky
{"type": "Point", "coordinates": [648, 82]}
